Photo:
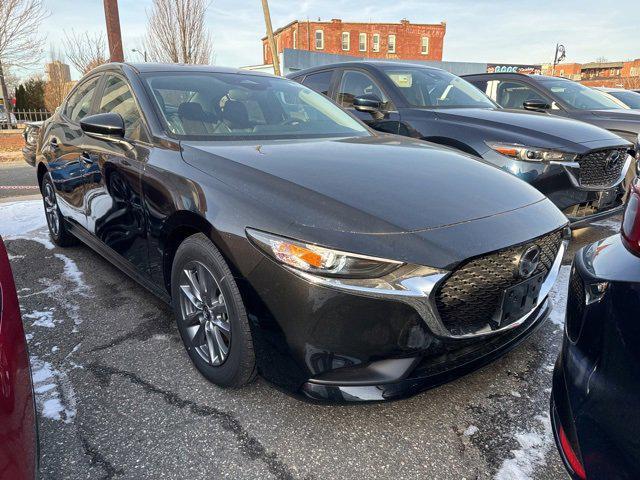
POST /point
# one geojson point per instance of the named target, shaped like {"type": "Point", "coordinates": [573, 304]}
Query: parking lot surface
{"type": "Point", "coordinates": [119, 398]}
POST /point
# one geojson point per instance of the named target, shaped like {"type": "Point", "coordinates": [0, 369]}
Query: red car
{"type": "Point", "coordinates": [18, 429]}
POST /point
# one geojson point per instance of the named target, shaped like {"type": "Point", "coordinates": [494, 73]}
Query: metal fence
{"type": "Point", "coordinates": [20, 117]}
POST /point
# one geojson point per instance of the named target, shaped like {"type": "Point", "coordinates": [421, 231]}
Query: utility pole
{"type": "Point", "coordinates": [113, 30]}
{"type": "Point", "coordinates": [270, 39]}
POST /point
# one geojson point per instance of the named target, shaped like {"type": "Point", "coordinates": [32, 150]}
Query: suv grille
{"type": "Point", "coordinates": [468, 299]}
{"type": "Point", "coordinates": [597, 169]}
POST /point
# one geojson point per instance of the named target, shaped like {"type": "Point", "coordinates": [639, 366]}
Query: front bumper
{"type": "Point", "coordinates": [335, 344]}
{"type": "Point", "coordinates": [29, 155]}
{"type": "Point", "coordinates": [560, 182]}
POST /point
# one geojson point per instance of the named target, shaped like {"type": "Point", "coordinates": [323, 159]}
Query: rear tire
{"type": "Point", "coordinates": [58, 231]}
{"type": "Point", "coordinates": [210, 314]}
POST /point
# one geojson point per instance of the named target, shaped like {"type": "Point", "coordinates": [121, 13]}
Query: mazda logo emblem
{"type": "Point", "coordinates": [529, 262]}
{"type": "Point", "coordinates": [612, 161]}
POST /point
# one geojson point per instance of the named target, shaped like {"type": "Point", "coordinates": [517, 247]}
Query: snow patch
{"type": "Point", "coordinates": [534, 445]}
{"type": "Point", "coordinates": [471, 430]}
{"type": "Point", "coordinates": [20, 218]}
{"type": "Point", "coordinates": [55, 397]}
{"type": "Point", "coordinates": [558, 296]}
{"type": "Point", "coordinates": [42, 319]}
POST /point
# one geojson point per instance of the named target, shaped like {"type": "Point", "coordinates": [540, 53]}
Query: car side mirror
{"type": "Point", "coordinates": [103, 125]}
{"type": "Point", "coordinates": [536, 105]}
{"type": "Point", "coordinates": [367, 103]}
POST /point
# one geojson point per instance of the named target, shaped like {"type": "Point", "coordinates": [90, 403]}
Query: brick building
{"type": "Point", "coordinates": [401, 41]}
{"type": "Point", "coordinates": [599, 74]}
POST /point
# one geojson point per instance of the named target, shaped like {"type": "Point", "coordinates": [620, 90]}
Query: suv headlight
{"type": "Point", "coordinates": [320, 260]}
{"type": "Point", "coordinates": [531, 154]}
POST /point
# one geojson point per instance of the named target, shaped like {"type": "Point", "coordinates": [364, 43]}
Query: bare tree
{"type": "Point", "coordinates": [85, 50]}
{"type": "Point", "coordinates": [177, 32]}
{"type": "Point", "coordinates": [20, 44]}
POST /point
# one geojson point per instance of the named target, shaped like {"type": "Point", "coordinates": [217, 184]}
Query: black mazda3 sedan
{"type": "Point", "coordinates": [596, 382]}
{"type": "Point", "coordinates": [581, 168]}
{"type": "Point", "coordinates": [289, 238]}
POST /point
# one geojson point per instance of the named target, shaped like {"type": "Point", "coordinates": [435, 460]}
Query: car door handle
{"type": "Point", "coordinates": [86, 158]}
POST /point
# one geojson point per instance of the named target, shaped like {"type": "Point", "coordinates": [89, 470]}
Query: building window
{"type": "Point", "coordinates": [363, 42]}
{"type": "Point", "coordinates": [295, 39]}
{"type": "Point", "coordinates": [424, 49]}
{"type": "Point", "coordinates": [319, 40]}
{"type": "Point", "coordinates": [346, 41]}
{"type": "Point", "coordinates": [376, 42]}
{"type": "Point", "coordinates": [392, 44]}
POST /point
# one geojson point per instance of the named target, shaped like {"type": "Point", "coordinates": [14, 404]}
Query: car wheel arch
{"type": "Point", "coordinates": [180, 226]}
{"type": "Point", "coordinates": [41, 172]}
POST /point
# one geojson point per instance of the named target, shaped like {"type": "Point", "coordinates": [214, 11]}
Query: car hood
{"type": "Point", "coordinates": [618, 114]}
{"type": "Point", "coordinates": [378, 184]}
{"type": "Point", "coordinates": [547, 129]}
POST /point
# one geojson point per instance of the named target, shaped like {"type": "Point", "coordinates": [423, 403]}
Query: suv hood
{"type": "Point", "coordinates": [548, 129]}
{"type": "Point", "coordinates": [374, 185]}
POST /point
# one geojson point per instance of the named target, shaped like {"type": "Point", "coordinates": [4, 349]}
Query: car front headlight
{"type": "Point", "coordinates": [531, 154]}
{"type": "Point", "coordinates": [320, 261]}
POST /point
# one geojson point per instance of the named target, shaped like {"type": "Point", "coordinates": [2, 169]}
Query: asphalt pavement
{"type": "Point", "coordinates": [17, 179]}
{"type": "Point", "coordinates": [119, 398]}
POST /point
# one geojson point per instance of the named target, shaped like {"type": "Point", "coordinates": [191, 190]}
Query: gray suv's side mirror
{"type": "Point", "coordinates": [536, 104]}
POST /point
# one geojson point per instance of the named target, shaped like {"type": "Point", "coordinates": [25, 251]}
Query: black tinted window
{"type": "Point", "coordinates": [117, 98]}
{"type": "Point", "coordinates": [79, 104]}
{"type": "Point", "coordinates": [319, 82]}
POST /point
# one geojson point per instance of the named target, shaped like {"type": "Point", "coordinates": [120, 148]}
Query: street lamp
{"type": "Point", "coordinates": [143, 53]}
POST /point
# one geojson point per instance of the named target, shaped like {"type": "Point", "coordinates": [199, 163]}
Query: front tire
{"type": "Point", "coordinates": [55, 221]}
{"type": "Point", "coordinates": [211, 316]}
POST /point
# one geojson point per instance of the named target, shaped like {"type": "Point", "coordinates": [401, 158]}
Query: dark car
{"type": "Point", "coordinates": [31, 133]}
{"type": "Point", "coordinates": [596, 382]}
{"type": "Point", "coordinates": [292, 240]}
{"type": "Point", "coordinates": [18, 429]}
{"type": "Point", "coordinates": [560, 97]}
{"type": "Point", "coordinates": [628, 98]}
{"type": "Point", "coordinates": [580, 167]}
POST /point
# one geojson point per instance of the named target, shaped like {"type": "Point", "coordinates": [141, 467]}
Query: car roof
{"type": "Point", "coordinates": [177, 67]}
{"type": "Point", "coordinates": [532, 76]}
{"type": "Point", "coordinates": [362, 63]}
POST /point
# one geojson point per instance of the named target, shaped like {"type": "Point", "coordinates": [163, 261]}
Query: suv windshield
{"type": "Point", "coordinates": [630, 99]}
{"type": "Point", "coordinates": [224, 106]}
{"type": "Point", "coordinates": [578, 96]}
{"type": "Point", "coordinates": [426, 87]}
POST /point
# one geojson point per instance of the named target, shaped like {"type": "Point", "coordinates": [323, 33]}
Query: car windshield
{"type": "Point", "coordinates": [426, 87]}
{"type": "Point", "coordinates": [579, 96]}
{"type": "Point", "coordinates": [226, 106]}
{"type": "Point", "coordinates": [630, 99]}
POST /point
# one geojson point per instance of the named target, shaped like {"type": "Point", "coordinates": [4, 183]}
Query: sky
{"type": "Point", "coordinates": [499, 31]}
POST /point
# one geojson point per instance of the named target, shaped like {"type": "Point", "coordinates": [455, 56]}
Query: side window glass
{"type": "Point", "coordinates": [118, 98]}
{"type": "Point", "coordinates": [79, 104]}
{"type": "Point", "coordinates": [356, 84]}
{"type": "Point", "coordinates": [510, 94]}
{"type": "Point", "coordinates": [319, 82]}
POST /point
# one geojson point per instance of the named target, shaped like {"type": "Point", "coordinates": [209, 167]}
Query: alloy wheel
{"type": "Point", "coordinates": [204, 312]}
{"type": "Point", "coordinates": [51, 209]}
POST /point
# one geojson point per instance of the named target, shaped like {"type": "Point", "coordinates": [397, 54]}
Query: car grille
{"type": "Point", "coordinates": [597, 170]}
{"type": "Point", "coordinates": [469, 298]}
{"type": "Point", "coordinates": [575, 305]}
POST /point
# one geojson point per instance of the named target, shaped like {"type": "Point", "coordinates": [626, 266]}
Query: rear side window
{"type": "Point", "coordinates": [79, 104]}
{"type": "Point", "coordinates": [118, 98]}
{"type": "Point", "coordinates": [319, 82]}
